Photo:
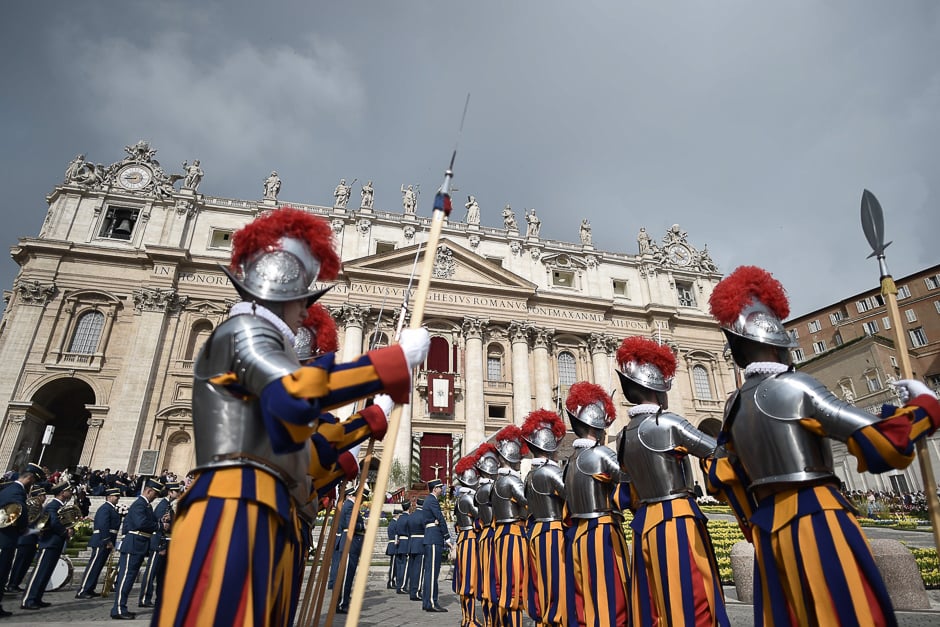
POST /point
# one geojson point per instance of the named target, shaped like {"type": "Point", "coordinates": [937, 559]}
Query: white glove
{"type": "Point", "coordinates": [385, 403]}
{"type": "Point", "coordinates": [415, 343]}
{"type": "Point", "coordinates": [911, 388]}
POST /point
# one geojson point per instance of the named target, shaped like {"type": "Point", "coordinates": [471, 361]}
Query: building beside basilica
{"type": "Point", "coordinates": [121, 287]}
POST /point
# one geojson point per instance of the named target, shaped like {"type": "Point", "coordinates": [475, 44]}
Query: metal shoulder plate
{"type": "Point", "coordinates": [251, 347]}
{"type": "Point", "coordinates": [791, 396]}
{"type": "Point", "coordinates": [669, 431]}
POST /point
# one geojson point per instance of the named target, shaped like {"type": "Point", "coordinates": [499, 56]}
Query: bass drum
{"type": "Point", "coordinates": [61, 574]}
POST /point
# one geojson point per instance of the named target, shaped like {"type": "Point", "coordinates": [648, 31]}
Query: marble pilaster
{"type": "Point", "coordinates": [541, 343]}
{"type": "Point", "coordinates": [474, 406]}
{"type": "Point", "coordinates": [522, 390]}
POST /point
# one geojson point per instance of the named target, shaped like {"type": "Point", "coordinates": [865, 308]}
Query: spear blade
{"type": "Point", "coordinates": [873, 224]}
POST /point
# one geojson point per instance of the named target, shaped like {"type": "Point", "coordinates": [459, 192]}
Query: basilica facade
{"type": "Point", "coordinates": [122, 285]}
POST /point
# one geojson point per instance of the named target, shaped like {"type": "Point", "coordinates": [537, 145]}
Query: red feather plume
{"type": "Point", "coordinates": [742, 286]}
{"type": "Point", "coordinates": [512, 432]}
{"type": "Point", "coordinates": [645, 351]}
{"type": "Point", "coordinates": [325, 334]}
{"type": "Point", "coordinates": [467, 462]}
{"type": "Point", "coordinates": [541, 418]}
{"type": "Point", "coordinates": [264, 233]}
{"type": "Point", "coordinates": [485, 448]}
{"type": "Point", "coordinates": [584, 393]}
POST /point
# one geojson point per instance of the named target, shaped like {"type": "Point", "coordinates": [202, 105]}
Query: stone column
{"type": "Point", "coordinates": [415, 472]}
{"type": "Point", "coordinates": [474, 409]}
{"type": "Point", "coordinates": [542, 339]}
{"type": "Point", "coordinates": [599, 345]}
{"type": "Point", "coordinates": [521, 390]}
{"type": "Point", "coordinates": [11, 434]}
{"type": "Point", "coordinates": [91, 440]}
{"type": "Point", "coordinates": [353, 318]}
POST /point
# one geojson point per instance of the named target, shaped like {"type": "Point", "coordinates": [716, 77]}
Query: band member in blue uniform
{"type": "Point", "coordinates": [358, 525]}
{"type": "Point", "coordinates": [391, 550]}
{"type": "Point", "coordinates": [416, 550]}
{"type": "Point", "coordinates": [436, 535]}
{"type": "Point", "coordinates": [12, 495]}
{"type": "Point", "coordinates": [402, 543]}
{"type": "Point", "coordinates": [26, 545]}
{"type": "Point", "coordinates": [159, 543]}
{"type": "Point", "coordinates": [51, 544]}
{"type": "Point", "coordinates": [103, 539]}
{"type": "Point", "coordinates": [139, 526]}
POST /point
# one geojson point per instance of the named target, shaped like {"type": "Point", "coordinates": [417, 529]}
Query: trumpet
{"type": "Point", "coordinates": [9, 514]}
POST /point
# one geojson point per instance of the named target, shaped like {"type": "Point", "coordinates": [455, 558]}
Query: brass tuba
{"type": "Point", "coordinates": [69, 515]}
{"type": "Point", "coordinates": [9, 514]}
{"type": "Point", "coordinates": [34, 510]}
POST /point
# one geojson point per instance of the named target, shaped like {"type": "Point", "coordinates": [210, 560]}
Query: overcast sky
{"type": "Point", "coordinates": [753, 125]}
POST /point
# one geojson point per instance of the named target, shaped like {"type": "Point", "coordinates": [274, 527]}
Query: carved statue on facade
{"type": "Point", "coordinates": [585, 233]}
{"type": "Point", "coordinates": [194, 175]}
{"type": "Point", "coordinates": [272, 185]}
{"type": "Point", "coordinates": [643, 241]}
{"type": "Point", "coordinates": [368, 194]}
{"type": "Point", "coordinates": [509, 219]}
{"type": "Point", "coordinates": [76, 169]}
{"type": "Point", "coordinates": [533, 224]}
{"type": "Point", "coordinates": [341, 194]}
{"type": "Point", "coordinates": [473, 210]}
{"type": "Point", "coordinates": [409, 200]}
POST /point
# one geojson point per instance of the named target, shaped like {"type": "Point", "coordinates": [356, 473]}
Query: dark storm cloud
{"type": "Point", "coordinates": [753, 126]}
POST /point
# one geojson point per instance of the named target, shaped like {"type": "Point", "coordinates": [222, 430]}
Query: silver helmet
{"type": "Point", "coordinates": [488, 463]}
{"type": "Point", "coordinates": [469, 478]}
{"type": "Point", "coordinates": [510, 450]}
{"type": "Point", "coordinates": [542, 439]}
{"type": "Point", "coordinates": [645, 374]}
{"type": "Point", "coordinates": [285, 273]}
{"type": "Point", "coordinates": [759, 323]}
{"type": "Point", "coordinates": [593, 415]}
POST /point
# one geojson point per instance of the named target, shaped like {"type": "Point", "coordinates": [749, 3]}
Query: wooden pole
{"type": "Point", "coordinates": [350, 532]}
{"type": "Point", "coordinates": [324, 573]}
{"type": "Point", "coordinates": [890, 293]}
{"type": "Point", "coordinates": [394, 421]}
{"type": "Point", "coordinates": [306, 602]}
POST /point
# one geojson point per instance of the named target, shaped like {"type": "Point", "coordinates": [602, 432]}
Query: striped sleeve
{"type": "Point", "coordinates": [889, 444]}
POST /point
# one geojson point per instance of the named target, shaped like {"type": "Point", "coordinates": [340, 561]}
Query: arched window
{"type": "Point", "coordinates": [378, 340]}
{"type": "Point", "coordinates": [197, 337]}
{"type": "Point", "coordinates": [703, 391]}
{"type": "Point", "coordinates": [567, 373]}
{"type": "Point", "coordinates": [494, 363]}
{"type": "Point", "coordinates": [87, 333]}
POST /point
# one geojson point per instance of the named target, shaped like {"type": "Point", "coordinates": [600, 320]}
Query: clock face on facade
{"type": "Point", "coordinates": [679, 255]}
{"type": "Point", "coordinates": [134, 177]}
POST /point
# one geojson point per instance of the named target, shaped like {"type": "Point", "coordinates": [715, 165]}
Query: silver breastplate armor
{"type": "Point", "coordinates": [770, 442]}
{"type": "Point", "coordinates": [482, 499]}
{"type": "Point", "coordinates": [587, 497]}
{"type": "Point", "coordinates": [545, 492]}
{"type": "Point", "coordinates": [508, 499]}
{"type": "Point", "coordinates": [229, 431]}
{"type": "Point", "coordinates": [644, 450]}
{"type": "Point", "coordinates": [465, 511]}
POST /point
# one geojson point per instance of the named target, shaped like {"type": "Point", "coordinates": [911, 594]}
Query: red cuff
{"type": "Point", "coordinates": [930, 405]}
{"type": "Point", "coordinates": [392, 368]}
{"type": "Point", "coordinates": [376, 419]}
{"type": "Point", "coordinates": [350, 465]}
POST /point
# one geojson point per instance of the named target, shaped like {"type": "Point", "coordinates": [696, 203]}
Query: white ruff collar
{"type": "Point", "coordinates": [253, 309]}
{"type": "Point", "coordinates": [485, 480]}
{"type": "Point", "coordinates": [644, 408]}
{"type": "Point", "coordinates": [509, 471]}
{"type": "Point", "coordinates": [582, 443]}
{"type": "Point", "coordinates": [465, 490]}
{"type": "Point", "coordinates": [765, 367]}
{"type": "Point", "coordinates": [538, 462]}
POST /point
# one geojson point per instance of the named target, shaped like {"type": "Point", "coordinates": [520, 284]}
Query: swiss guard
{"type": "Point", "coordinates": [510, 545]}
{"type": "Point", "coordinates": [487, 466]}
{"type": "Point", "coordinates": [255, 408]}
{"type": "Point", "coordinates": [674, 572]}
{"type": "Point", "coordinates": [778, 476]}
{"type": "Point", "coordinates": [466, 558]}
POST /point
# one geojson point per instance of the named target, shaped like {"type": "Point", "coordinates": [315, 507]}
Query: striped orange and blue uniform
{"type": "Point", "coordinates": [488, 591]}
{"type": "Point", "coordinates": [548, 577]}
{"type": "Point", "coordinates": [511, 554]}
{"type": "Point", "coordinates": [466, 573]}
{"type": "Point", "coordinates": [328, 465]}
{"type": "Point", "coordinates": [813, 564]}
{"type": "Point", "coordinates": [599, 559]}
{"type": "Point", "coordinates": [237, 534]}
{"type": "Point", "coordinates": [674, 573]}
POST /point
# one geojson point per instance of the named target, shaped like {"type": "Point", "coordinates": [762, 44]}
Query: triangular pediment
{"type": "Point", "coordinates": [453, 264]}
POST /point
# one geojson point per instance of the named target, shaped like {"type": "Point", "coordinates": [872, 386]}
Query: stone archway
{"type": "Point", "coordinates": [62, 403]}
{"type": "Point", "coordinates": [180, 454]}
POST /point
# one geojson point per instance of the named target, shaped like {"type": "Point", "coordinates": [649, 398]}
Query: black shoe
{"type": "Point", "coordinates": [14, 589]}
{"type": "Point", "coordinates": [414, 598]}
{"type": "Point", "coordinates": [43, 603]}
{"type": "Point", "coordinates": [94, 594]}
{"type": "Point", "coordinates": [438, 608]}
{"type": "Point", "coordinates": [146, 605]}
{"type": "Point", "coordinates": [342, 610]}
{"type": "Point", "coordinates": [128, 616]}
{"type": "Point", "coordinates": [4, 613]}
{"type": "Point", "coordinates": [401, 592]}
{"type": "Point", "coordinates": [30, 606]}
{"type": "Point", "coordinates": [83, 595]}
